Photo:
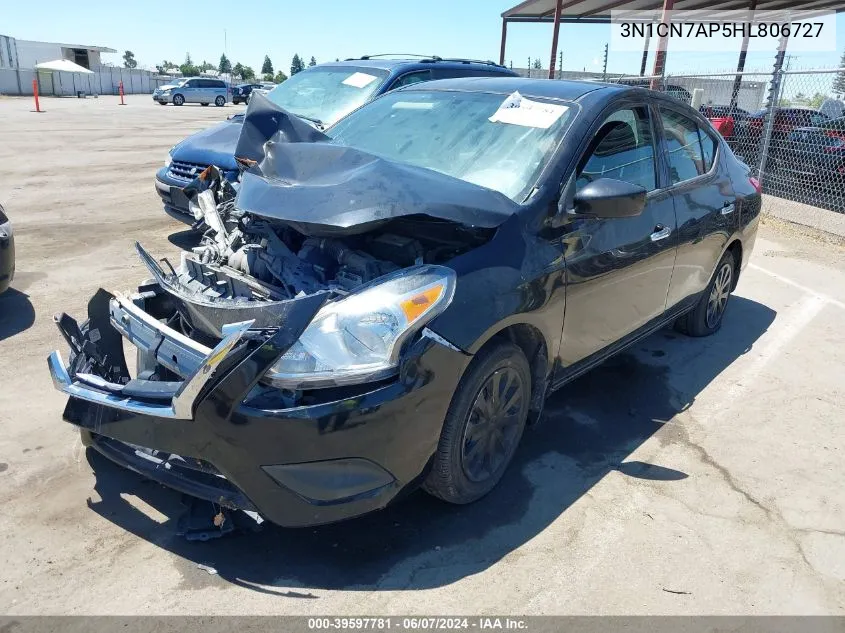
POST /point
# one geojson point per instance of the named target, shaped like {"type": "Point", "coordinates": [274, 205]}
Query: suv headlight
{"type": "Point", "coordinates": [169, 158]}
{"type": "Point", "coordinates": [360, 337]}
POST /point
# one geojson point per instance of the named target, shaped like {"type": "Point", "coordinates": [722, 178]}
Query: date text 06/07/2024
{"type": "Point", "coordinates": [417, 623]}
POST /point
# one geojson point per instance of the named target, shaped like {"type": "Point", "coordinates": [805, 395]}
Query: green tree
{"type": "Point", "coordinates": [296, 65]}
{"type": "Point", "coordinates": [280, 77]}
{"type": "Point", "coordinates": [248, 73]}
{"type": "Point", "coordinates": [537, 65]}
{"type": "Point", "coordinates": [163, 66]}
{"type": "Point", "coordinates": [225, 66]}
{"type": "Point", "coordinates": [206, 66]}
{"type": "Point", "coordinates": [238, 70]}
{"type": "Point", "coordinates": [188, 69]}
{"type": "Point", "coordinates": [267, 66]}
{"type": "Point", "coordinates": [817, 100]}
{"type": "Point", "coordinates": [839, 81]}
{"type": "Point", "coordinates": [313, 61]}
{"type": "Point", "coordinates": [129, 60]}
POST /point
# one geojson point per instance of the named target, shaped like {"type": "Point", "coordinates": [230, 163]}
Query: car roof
{"type": "Point", "coordinates": [544, 88]}
{"type": "Point", "coordinates": [396, 65]}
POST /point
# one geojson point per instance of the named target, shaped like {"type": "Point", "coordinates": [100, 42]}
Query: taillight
{"type": "Point", "coordinates": [756, 184]}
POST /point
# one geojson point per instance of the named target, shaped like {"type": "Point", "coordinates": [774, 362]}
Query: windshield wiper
{"type": "Point", "coordinates": [316, 122]}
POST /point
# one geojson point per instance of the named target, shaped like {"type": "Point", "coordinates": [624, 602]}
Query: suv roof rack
{"type": "Point", "coordinates": [428, 59]}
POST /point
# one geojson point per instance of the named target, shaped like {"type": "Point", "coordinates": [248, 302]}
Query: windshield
{"type": "Point", "coordinates": [326, 93]}
{"type": "Point", "coordinates": [452, 132]}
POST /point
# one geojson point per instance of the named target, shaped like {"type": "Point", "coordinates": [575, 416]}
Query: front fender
{"type": "Point", "coordinates": [515, 278]}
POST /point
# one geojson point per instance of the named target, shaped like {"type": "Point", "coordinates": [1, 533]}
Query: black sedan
{"type": "Point", "coordinates": [389, 303]}
{"type": "Point", "coordinates": [7, 251]}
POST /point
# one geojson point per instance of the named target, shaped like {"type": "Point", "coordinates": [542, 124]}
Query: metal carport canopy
{"type": "Point", "coordinates": [598, 11]}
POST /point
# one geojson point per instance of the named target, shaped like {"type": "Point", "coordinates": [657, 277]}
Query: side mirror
{"type": "Point", "coordinates": [609, 198]}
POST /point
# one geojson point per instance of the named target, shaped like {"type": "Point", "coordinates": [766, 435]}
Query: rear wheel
{"type": "Point", "coordinates": [706, 317]}
{"type": "Point", "coordinates": [219, 102]}
{"type": "Point", "coordinates": [178, 100]}
{"type": "Point", "coordinates": [483, 426]}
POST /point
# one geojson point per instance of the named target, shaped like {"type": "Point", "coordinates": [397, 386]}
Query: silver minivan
{"type": "Point", "coordinates": [193, 90]}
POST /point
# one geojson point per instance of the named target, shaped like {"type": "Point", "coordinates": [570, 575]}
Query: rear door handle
{"type": "Point", "coordinates": [660, 233]}
{"type": "Point", "coordinates": [728, 208]}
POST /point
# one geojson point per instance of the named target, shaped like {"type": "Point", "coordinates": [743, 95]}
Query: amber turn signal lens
{"type": "Point", "coordinates": [417, 305]}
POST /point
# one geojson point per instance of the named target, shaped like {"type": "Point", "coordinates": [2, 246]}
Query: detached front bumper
{"type": "Point", "coordinates": [220, 435]}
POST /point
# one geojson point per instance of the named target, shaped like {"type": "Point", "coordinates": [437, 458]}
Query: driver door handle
{"type": "Point", "coordinates": [660, 233]}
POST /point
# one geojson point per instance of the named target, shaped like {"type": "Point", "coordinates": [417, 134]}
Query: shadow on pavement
{"type": "Point", "coordinates": [16, 313]}
{"type": "Point", "coordinates": [589, 428]}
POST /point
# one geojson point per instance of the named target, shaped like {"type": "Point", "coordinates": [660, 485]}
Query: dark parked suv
{"type": "Point", "coordinates": [384, 306]}
{"type": "Point", "coordinates": [321, 94]}
{"type": "Point", "coordinates": [240, 93]}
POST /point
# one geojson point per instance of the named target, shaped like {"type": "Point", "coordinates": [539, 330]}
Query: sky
{"type": "Point", "coordinates": [156, 30]}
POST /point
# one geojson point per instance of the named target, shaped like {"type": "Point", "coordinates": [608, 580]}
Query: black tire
{"type": "Point", "coordinates": [458, 474]}
{"type": "Point", "coordinates": [220, 101]}
{"type": "Point", "coordinates": [204, 104]}
{"type": "Point", "coordinates": [162, 103]}
{"type": "Point", "coordinates": [704, 319]}
{"type": "Point", "coordinates": [178, 100]}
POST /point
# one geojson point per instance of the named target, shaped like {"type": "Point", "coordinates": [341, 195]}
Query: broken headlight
{"type": "Point", "coordinates": [359, 338]}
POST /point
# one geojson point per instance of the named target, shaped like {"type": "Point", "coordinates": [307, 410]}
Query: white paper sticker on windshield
{"type": "Point", "coordinates": [413, 105]}
{"type": "Point", "coordinates": [359, 80]}
{"type": "Point", "coordinates": [517, 110]}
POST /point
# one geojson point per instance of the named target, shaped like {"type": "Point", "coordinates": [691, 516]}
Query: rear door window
{"type": "Point", "coordinates": [683, 143]}
{"type": "Point", "coordinates": [708, 149]}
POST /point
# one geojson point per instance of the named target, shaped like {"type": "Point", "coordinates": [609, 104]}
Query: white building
{"type": "Point", "coordinates": [24, 54]}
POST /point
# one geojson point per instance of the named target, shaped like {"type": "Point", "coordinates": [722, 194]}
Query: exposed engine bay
{"type": "Point", "coordinates": [245, 261]}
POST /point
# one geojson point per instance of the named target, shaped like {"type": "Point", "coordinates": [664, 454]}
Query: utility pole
{"type": "Point", "coordinates": [604, 70]}
{"type": "Point", "coordinates": [529, 67]}
{"type": "Point", "coordinates": [560, 65]}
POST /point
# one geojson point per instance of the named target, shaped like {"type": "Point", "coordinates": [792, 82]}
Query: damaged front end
{"type": "Point", "coordinates": [278, 331]}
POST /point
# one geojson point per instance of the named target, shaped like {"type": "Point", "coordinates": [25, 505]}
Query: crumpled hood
{"type": "Point", "coordinates": [213, 146]}
{"type": "Point", "coordinates": [324, 189]}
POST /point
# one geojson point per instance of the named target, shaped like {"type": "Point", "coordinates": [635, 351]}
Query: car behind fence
{"type": "Point", "coordinates": [788, 126]}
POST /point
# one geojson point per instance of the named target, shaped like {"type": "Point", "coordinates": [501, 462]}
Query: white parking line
{"type": "Point", "coordinates": [772, 342]}
{"type": "Point", "coordinates": [802, 287]}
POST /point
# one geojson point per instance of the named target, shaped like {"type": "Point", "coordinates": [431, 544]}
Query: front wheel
{"type": "Point", "coordinates": [178, 100]}
{"type": "Point", "coordinates": [706, 317]}
{"type": "Point", "coordinates": [483, 426]}
{"type": "Point", "coordinates": [219, 102]}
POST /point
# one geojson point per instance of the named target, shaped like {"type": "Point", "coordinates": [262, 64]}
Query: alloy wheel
{"type": "Point", "coordinates": [719, 295]}
{"type": "Point", "coordinates": [492, 430]}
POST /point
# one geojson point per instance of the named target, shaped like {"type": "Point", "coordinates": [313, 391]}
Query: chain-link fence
{"type": "Point", "coordinates": [788, 126]}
